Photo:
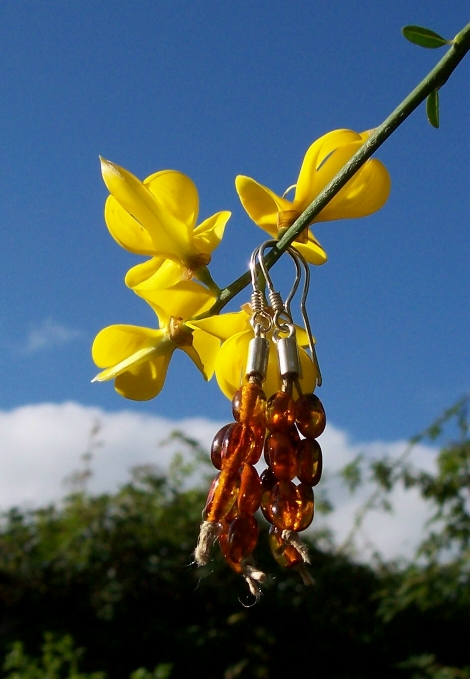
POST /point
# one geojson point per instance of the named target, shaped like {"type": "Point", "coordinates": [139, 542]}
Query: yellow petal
{"type": "Point", "coordinates": [207, 347]}
{"type": "Point", "coordinates": [170, 236]}
{"type": "Point", "coordinates": [117, 342]}
{"type": "Point", "coordinates": [261, 203]}
{"type": "Point", "coordinates": [208, 234]}
{"type": "Point", "coordinates": [155, 273]}
{"type": "Point", "coordinates": [308, 378]}
{"type": "Point", "coordinates": [223, 326]}
{"type": "Point", "coordinates": [306, 189]}
{"type": "Point", "coordinates": [184, 300]}
{"type": "Point", "coordinates": [334, 163]}
{"type": "Point", "coordinates": [144, 381]}
{"type": "Point", "coordinates": [177, 193]}
{"type": "Point", "coordinates": [126, 230]}
{"type": "Point", "coordinates": [131, 362]}
{"type": "Point", "coordinates": [312, 250]}
{"type": "Point", "coordinates": [364, 194]}
{"type": "Point", "coordinates": [230, 364]}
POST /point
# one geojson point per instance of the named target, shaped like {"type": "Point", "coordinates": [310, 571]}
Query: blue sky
{"type": "Point", "coordinates": [218, 89]}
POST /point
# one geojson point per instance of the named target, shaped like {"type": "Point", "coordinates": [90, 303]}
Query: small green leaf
{"type": "Point", "coordinates": [424, 37]}
{"type": "Point", "coordinates": [432, 108]}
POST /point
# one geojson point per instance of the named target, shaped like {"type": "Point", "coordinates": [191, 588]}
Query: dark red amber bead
{"type": "Point", "coordinates": [280, 412]}
{"type": "Point", "coordinates": [224, 548]}
{"type": "Point", "coordinates": [222, 495]}
{"type": "Point", "coordinates": [281, 455]}
{"type": "Point", "coordinates": [310, 415]}
{"type": "Point", "coordinates": [286, 555]}
{"type": "Point", "coordinates": [242, 537]}
{"type": "Point", "coordinates": [216, 447]}
{"type": "Point", "coordinates": [294, 436]}
{"type": "Point", "coordinates": [309, 462]}
{"type": "Point", "coordinates": [237, 445]}
{"type": "Point", "coordinates": [249, 495]}
{"type": "Point", "coordinates": [249, 404]}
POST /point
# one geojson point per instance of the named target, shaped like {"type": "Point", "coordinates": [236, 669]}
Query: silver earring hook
{"type": "Point", "coordinates": [298, 257]}
{"type": "Point", "coordinates": [261, 320]}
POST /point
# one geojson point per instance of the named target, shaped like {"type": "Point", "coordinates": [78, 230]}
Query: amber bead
{"type": "Point", "coordinates": [224, 548]}
{"type": "Point", "coordinates": [268, 481]}
{"type": "Point", "coordinates": [281, 455]}
{"type": "Point", "coordinates": [304, 494]}
{"type": "Point", "coordinates": [222, 495]}
{"type": "Point", "coordinates": [249, 495]}
{"type": "Point", "coordinates": [310, 415]}
{"type": "Point", "coordinates": [242, 537]}
{"type": "Point", "coordinates": [292, 506]}
{"type": "Point", "coordinates": [309, 462]}
{"type": "Point", "coordinates": [285, 555]}
{"type": "Point", "coordinates": [259, 432]}
{"type": "Point", "coordinates": [216, 447]}
{"type": "Point", "coordinates": [237, 445]}
{"type": "Point", "coordinates": [280, 412]}
{"type": "Point", "coordinates": [284, 506]}
{"type": "Point", "coordinates": [249, 404]}
{"type": "Point", "coordinates": [294, 436]}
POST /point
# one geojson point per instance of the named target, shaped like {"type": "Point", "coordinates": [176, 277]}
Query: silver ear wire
{"type": "Point", "coordinates": [298, 257]}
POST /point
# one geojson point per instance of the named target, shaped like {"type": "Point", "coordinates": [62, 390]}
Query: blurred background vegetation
{"type": "Point", "coordinates": [104, 586]}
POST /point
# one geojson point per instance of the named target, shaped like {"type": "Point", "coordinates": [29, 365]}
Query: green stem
{"type": "Point", "coordinates": [203, 274]}
{"type": "Point", "coordinates": [435, 79]}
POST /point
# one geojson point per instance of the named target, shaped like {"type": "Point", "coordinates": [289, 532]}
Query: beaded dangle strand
{"type": "Point", "coordinates": [290, 447]}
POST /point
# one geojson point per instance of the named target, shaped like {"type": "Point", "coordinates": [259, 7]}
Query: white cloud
{"type": "Point", "coordinates": [43, 444]}
{"type": "Point", "coordinates": [48, 335]}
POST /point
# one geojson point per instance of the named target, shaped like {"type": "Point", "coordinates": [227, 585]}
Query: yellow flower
{"type": "Point", "coordinates": [365, 193]}
{"type": "Point", "coordinates": [138, 358]}
{"type": "Point", "coordinates": [235, 331]}
{"type": "Point", "coordinates": [157, 217]}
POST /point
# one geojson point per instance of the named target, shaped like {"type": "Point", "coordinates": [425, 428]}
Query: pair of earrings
{"type": "Point", "coordinates": [285, 428]}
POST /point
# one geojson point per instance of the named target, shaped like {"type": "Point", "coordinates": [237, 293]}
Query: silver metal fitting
{"type": "Point", "coordinates": [288, 354]}
{"type": "Point", "coordinates": [258, 354]}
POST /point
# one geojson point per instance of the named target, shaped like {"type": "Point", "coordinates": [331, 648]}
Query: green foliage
{"type": "Point", "coordinates": [427, 668]}
{"type": "Point", "coordinates": [114, 573]}
{"type": "Point", "coordinates": [424, 37]}
{"type": "Point", "coordinates": [59, 660]}
{"type": "Point", "coordinates": [351, 474]}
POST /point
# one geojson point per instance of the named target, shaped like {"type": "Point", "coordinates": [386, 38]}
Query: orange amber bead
{"type": "Point", "coordinates": [216, 447]}
{"type": "Point", "coordinates": [281, 456]}
{"type": "Point", "coordinates": [268, 481]}
{"type": "Point", "coordinates": [310, 415]}
{"type": "Point", "coordinates": [286, 555]}
{"type": "Point", "coordinates": [309, 462]}
{"type": "Point", "coordinates": [259, 432]}
{"type": "Point", "coordinates": [280, 412]}
{"type": "Point", "coordinates": [306, 506]}
{"type": "Point", "coordinates": [222, 495]}
{"type": "Point", "coordinates": [242, 537]}
{"type": "Point", "coordinates": [249, 404]}
{"type": "Point", "coordinates": [284, 506]}
{"type": "Point", "coordinates": [249, 495]}
{"type": "Point", "coordinates": [292, 506]}
{"type": "Point", "coordinates": [237, 445]}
